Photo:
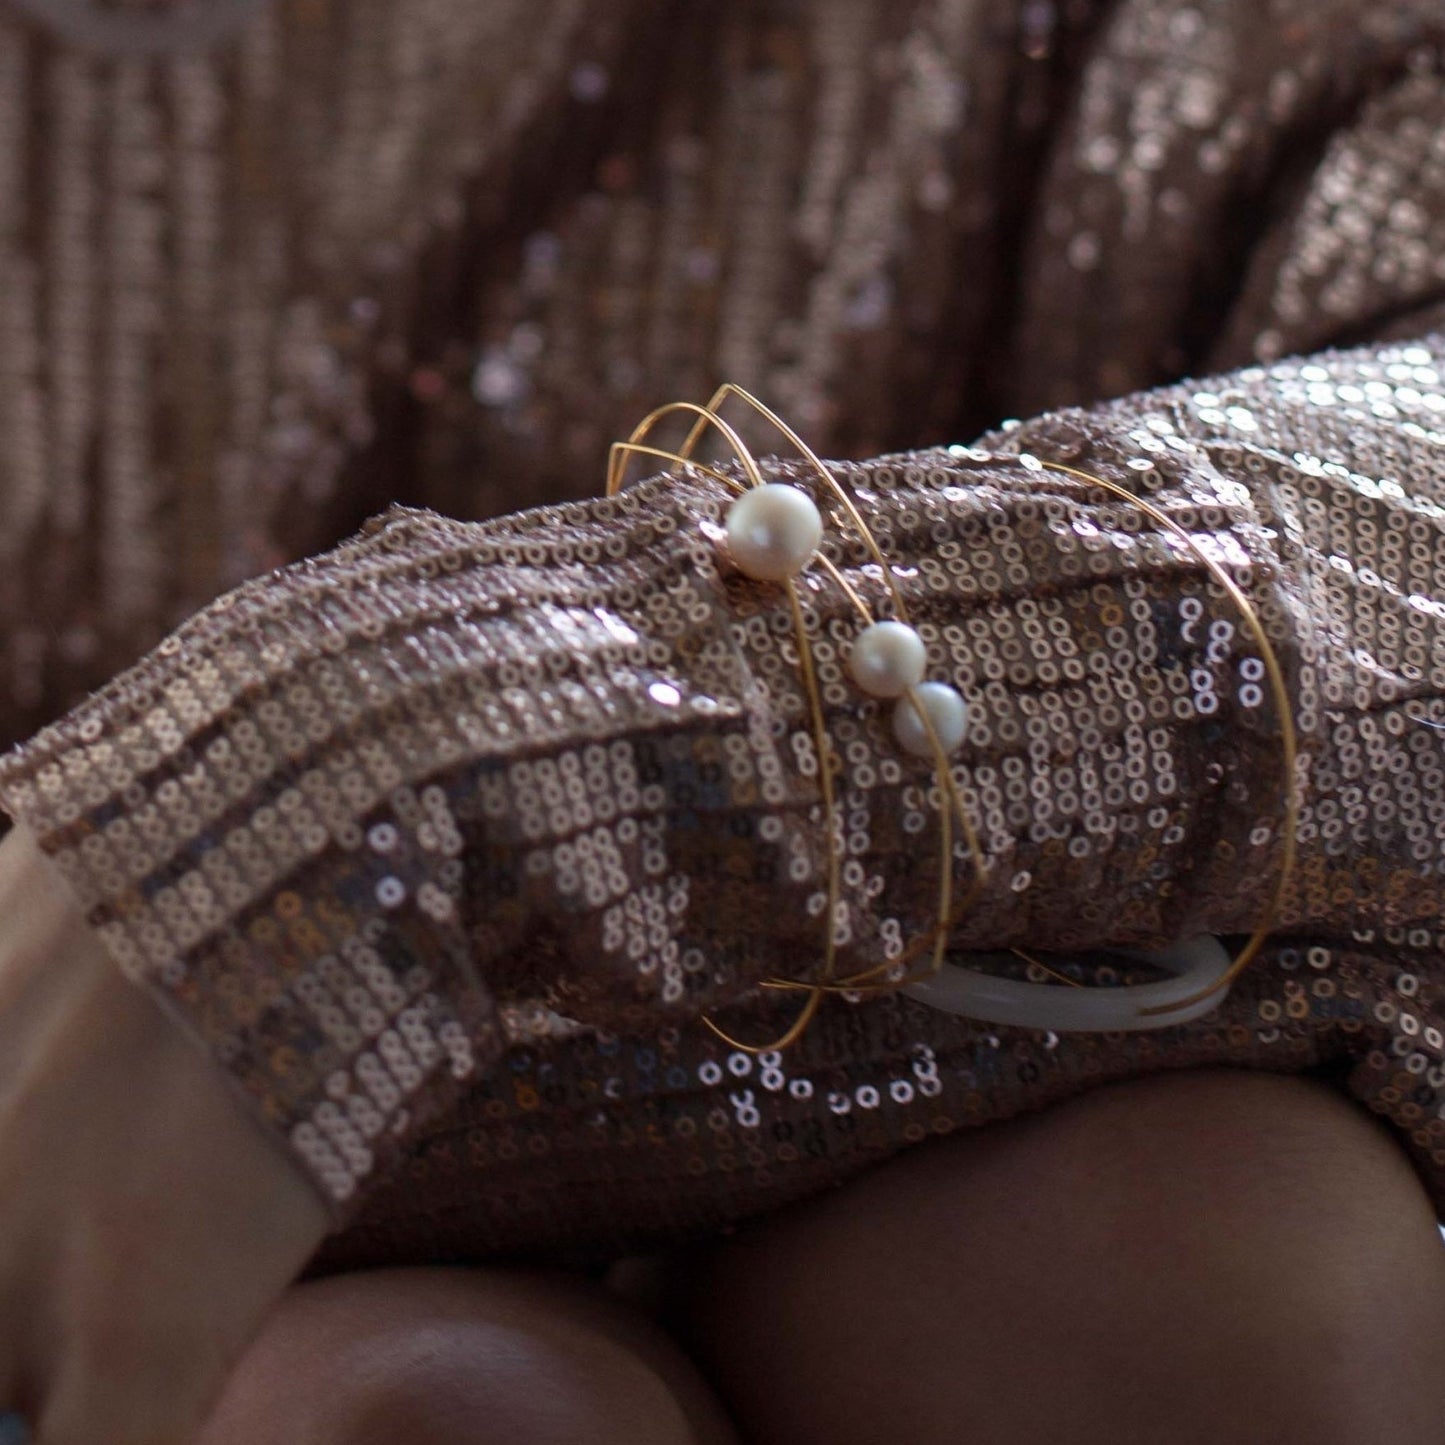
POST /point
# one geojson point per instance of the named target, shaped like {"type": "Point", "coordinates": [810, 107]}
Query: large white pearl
{"type": "Point", "coordinates": [946, 710]}
{"type": "Point", "coordinates": [772, 531]}
{"type": "Point", "coordinates": [887, 659]}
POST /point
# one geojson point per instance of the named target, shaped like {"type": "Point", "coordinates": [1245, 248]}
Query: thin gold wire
{"type": "Point", "coordinates": [857, 983]}
{"type": "Point", "coordinates": [616, 464]}
{"type": "Point", "coordinates": [1289, 741]}
{"type": "Point", "coordinates": [635, 445]}
{"type": "Point", "coordinates": [947, 913]}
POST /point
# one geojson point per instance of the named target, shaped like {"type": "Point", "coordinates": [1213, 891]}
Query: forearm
{"type": "Point", "coordinates": [354, 812]}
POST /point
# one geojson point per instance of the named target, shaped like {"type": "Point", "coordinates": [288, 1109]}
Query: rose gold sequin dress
{"type": "Point", "coordinates": [441, 841]}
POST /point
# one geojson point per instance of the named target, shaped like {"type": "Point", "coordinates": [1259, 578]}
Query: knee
{"type": "Point", "coordinates": [1251, 1233]}
{"type": "Point", "coordinates": [512, 1385]}
{"type": "Point", "coordinates": [1262, 1246]}
{"type": "Point", "coordinates": [1246, 1252]}
{"type": "Point", "coordinates": [438, 1357]}
{"type": "Point", "coordinates": [1234, 1179]}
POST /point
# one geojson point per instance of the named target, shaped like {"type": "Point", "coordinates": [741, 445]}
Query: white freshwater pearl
{"type": "Point", "coordinates": [946, 710]}
{"type": "Point", "coordinates": [887, 659]}
{"type": "Point", "coordinates": [772, 531]}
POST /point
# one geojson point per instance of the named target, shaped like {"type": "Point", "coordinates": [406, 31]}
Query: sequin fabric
{"type": "Point", "coordinates": [440, 841]}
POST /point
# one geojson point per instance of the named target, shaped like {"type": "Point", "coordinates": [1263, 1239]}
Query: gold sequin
{"type": "Point", "coordinates": [442, 841]}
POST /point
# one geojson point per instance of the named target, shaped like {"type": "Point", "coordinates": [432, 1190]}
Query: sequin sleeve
{"type": "Point", "coordinates": [352, 808]}
{"type": "Point", "coordinates": [352, 813]}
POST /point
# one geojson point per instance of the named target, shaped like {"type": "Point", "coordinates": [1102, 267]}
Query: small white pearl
{"type": "Point", "coordinates": [887, 659]}
{"type": "Point", "coordinates": [946, 710]}
{"type": "Point", "coordinates": [772, 531]}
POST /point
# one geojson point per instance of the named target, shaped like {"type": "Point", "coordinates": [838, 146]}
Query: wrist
{"type": "Point", "coordinates": [38, 908]}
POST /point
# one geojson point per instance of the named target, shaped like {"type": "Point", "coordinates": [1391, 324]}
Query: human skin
{"type": "Point", "coordinates": [147, 1224]}
{"type": "Point", "coordinates": [1196, 1256]}
{"type": "Point", "coordinates": [1218, 1231]}
{"type": "Point", "coordinates": [150, 1234]}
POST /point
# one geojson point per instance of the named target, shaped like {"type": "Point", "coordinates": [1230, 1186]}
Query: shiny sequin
{"type": "Point", "coordinates": [441, 841]}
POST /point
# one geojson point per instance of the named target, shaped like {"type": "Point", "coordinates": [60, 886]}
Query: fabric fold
{"type": "Point", "coordinates": [355, 811]}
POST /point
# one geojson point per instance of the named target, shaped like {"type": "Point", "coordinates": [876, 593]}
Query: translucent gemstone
{"type": "Point", "coordinates": [946, 710]}
{"type": "Point", "coordinates": [887, 659]}
{"type": "Point", "coordinates": [772, 531]}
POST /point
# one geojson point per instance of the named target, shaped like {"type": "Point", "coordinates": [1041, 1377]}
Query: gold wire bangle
{"type": "Point", "coordinates": [948, 912]}
{"type": "Point", "coordinates": [856, 983]}
{"type": "Point", "coordinates": [1289, 741]}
